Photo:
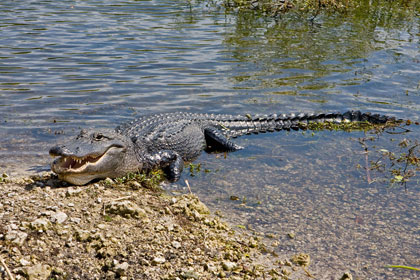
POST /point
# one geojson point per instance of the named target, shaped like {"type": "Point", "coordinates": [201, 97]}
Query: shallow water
{"type": "Point", "coordinates": [71, 64]}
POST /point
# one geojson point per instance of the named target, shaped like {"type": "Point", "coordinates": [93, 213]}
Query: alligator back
{"type": "Point", "coordinates": [169, 124]}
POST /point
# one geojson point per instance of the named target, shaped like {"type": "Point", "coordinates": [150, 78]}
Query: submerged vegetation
{"type": "Point", "coordinates": [397, 167]}
{"type": "Point", "coordinates": [350, 126]}
{"type": "Point", "coordinates": [276, 7]}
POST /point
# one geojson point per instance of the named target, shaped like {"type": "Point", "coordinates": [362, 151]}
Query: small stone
{"type": "Point", "coordinates": [101, 226]}
{"type": "Point", "coordinates": [54, 208]}
{"type": "Point", "coordinates": [108, 181]}
{"type": "Point", "coordinates": [176, 244]}
{"type": "Point", "coordinates": [82, 235]}
{"type": "Point", "coordinates": [59, 217]}
{"type": "Point", "coordinates": [38, 271]}
{"type": "Point", "coordinates": [135, 185]}
{"type": "Point", "coordinates": [346, 276]}
{"type": "Point", "coordinates": [75, 220]}
{"type": "Point", "coordinates": [70, 204]}
{"type": "Point", "coordinates": [301, 259]}
{"type": "Point", "coordinates": [291, 235]}
{"type": "Point", "coordinates": [170, 226]}
{"type": "Point", "coordinates": [121, 268]}
{"type": "Point", "coordinates": [114, 240]}
{"type": "Point", "coordinates": [210, 267]}
{"type": "Point", "coordinates": [159, 228]}
{"type": "Point", "coordinates": [40, 224]}
{"type": "Point", "coordinates": [197, 216]}
{"type": "Point", "coordinates": [253, 243]}
{"type": "Point", "coordinates": [73, 191]}
{"type": "Point", "coordinates": [13, 226]}
{"type": "Point", "coordinates": [190, 275]}
{"type": "Point", "coordinates": [285, 271]}
{"type": "Point", "coordinates": [47, 213]}
{"type": "Point", "coordinates": [41, 184]}
{"type": "Point", "coordinates": [228, 266]}
{"type": "Point", "coordinates": [158, 260]}
{"type": "Point", "coordinates": [24, 262]}
{"type": "Point", "coordinates": [125, 209]}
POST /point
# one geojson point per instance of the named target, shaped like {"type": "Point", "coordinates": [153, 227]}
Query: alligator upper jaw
{"type": "Point", "coordinates": [74, 164]}
{"type": "Point", "coordinates": [70, 163]}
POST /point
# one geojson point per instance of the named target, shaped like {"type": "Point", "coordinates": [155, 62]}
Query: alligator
{"type": "Point", "coordinates": [168, 140]}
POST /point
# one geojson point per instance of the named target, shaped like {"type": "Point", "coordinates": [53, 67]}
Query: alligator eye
{"type": "Point", "coordinates": [99, 136]}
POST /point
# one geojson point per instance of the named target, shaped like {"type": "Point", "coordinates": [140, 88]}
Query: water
{"type": "Point", "coordinates": [71, 64]}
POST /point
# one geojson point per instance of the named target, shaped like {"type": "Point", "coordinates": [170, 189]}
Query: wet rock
{"type": "Point", "coordinates": [126, 209]}
{"type": "Point", "coordinates": [285, 271]}
{"type": "Point", "coordinates": [301, 259]}
{"type": "Point", "coordinates": [191, 206]}
{"type": "Point", "coordinates": [253, 243]}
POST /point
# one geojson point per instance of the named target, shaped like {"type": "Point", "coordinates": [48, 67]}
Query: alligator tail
{"type": "Point", "coordinates": [276, 122]}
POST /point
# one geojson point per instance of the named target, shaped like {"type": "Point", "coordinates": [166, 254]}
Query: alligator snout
{"type": "Point", "coordinates": [59, 151]}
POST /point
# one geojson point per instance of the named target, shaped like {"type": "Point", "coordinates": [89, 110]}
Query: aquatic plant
{"type": "Point", "coordinates": [276, 7]}
{"type": "Point", "coordinates": [399, 166]}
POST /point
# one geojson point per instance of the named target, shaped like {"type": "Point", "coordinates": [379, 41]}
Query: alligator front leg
{"type": "Point", "coordinates": [215, 140]}
{"type": "Point", "coordinates": [170, 162]}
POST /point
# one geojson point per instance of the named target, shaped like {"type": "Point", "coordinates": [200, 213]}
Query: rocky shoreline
{"type": "Point", "coordinates": [124, 230]}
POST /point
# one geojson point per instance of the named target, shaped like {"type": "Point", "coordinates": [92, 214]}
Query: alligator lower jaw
{"type": "Point", "coordinates": [74, 164]}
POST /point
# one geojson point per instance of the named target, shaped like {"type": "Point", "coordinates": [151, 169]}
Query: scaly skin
{"type": "Point", "coordinates": [167, 140]}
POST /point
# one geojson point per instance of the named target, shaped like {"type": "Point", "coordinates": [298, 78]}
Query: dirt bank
{"type": "Point", "coordinates": [110, 230]}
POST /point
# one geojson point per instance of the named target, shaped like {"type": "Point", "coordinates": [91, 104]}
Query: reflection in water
{"type": "Point", "coordinates": [71, 64]}
{"type": "Point", "coordinates": [327, 62]}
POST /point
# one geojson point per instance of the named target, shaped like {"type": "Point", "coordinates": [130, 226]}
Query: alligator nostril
{"type": "Point", "coordinates": [55, 151]}
{"type": "Point", "coordinates": [59, 151]}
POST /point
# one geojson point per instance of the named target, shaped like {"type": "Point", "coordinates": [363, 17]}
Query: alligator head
{"type": "Point", "coordinates": [94, 155]}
